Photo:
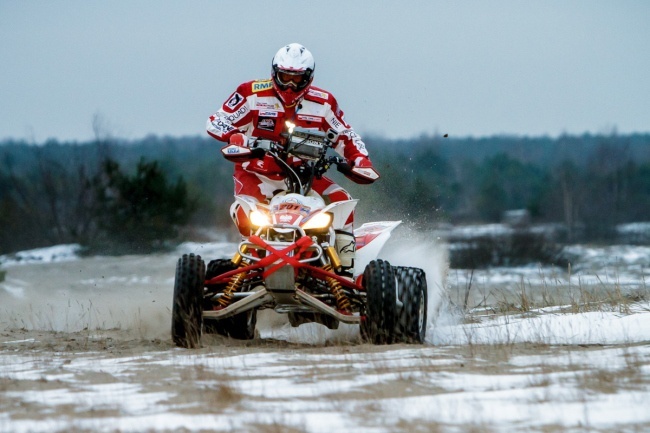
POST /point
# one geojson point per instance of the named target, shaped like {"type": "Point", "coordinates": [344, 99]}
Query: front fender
{"type": "Point", "coordinates": [370, 239]}
{"type": "Point", "coordinates": [341, 211]}
{"type": "Point", "coordinates": [246, 202]}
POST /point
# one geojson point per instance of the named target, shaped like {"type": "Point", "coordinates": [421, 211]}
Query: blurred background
{"type": "Point", "coordinates": [545, 105]}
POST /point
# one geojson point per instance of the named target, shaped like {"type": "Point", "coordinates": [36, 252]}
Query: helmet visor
{"type": "Point", "coordinates": [297, 79]}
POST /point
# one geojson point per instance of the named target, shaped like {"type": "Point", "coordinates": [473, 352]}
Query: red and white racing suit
{"type": "Point", "coordinates": [255, 110]}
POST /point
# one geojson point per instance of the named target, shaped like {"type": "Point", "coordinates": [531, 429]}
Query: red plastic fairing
{"type": "Point", "coordinates": [365, 239]}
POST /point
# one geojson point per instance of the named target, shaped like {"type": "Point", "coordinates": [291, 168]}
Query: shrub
{"type": "Point", "coordinates": [139, 213]}
{"type": "Point", "coordinates": [514, 248]}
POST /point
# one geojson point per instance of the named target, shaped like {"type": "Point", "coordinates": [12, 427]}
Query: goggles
{"type": "Point", "coordinates": [291, 79]}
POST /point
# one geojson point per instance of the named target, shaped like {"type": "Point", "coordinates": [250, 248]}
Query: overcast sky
{"type": "Point", "coordinates": [398, 69]}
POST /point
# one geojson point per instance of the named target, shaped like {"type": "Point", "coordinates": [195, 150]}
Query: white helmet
{"type": "Point", "coordinates": [293, 72]}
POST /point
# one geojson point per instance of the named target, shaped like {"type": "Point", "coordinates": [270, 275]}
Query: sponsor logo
{"type": "Point", "coordinates": [349, 248]}
{"type": "Point", "coordinates": [234, 100]}
{"type": "Point", "coordinates": [259, 86]}
{"type": "Point", "coordinates": [292, 205]}
{"type": "Point", "coordinates": [222, 126]}
{"type": "Point", "coordinates": [289, 206]}
{"type": "Point", "coordinates": [285, 218]}
{"type": "Point", "coordinates": [266, 124]}
{"type": "Point", "coordinates": [310, 142]}
{"type": "Point", "coordinates": [335, 123]}
{"type": "Point", "coordinates": [317, 94]}
{"type": "Point", "coordinates": [267, 113]}
{"type": "Point", "coordinates": [267, 105]}
{"type": "Point", "coordinates": [237, 114]}
{"type": "Point", "coordinates": [308, 118]}
{"type": "Point", "coordinates": [234, 149]}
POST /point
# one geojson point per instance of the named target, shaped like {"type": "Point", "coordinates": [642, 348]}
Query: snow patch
{"type": "Point", "coordinates": [57, 253]}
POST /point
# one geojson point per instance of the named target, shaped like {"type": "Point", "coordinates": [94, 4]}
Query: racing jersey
{"type": "Point", "coordinates": [255, 110]}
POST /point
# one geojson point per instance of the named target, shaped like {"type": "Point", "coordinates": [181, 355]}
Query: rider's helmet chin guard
{"type": "Point", "coordinates": [292, 73]}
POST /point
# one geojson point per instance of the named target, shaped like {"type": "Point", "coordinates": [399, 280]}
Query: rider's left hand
{"type": "Point", "coordinates": [362, 171]}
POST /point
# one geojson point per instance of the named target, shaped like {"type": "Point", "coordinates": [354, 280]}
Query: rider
{"type": "Point", "coordinates": [260, 109]}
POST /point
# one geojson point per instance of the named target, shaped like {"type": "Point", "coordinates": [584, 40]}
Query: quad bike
{"type": "Point", "coordinates": [299, 262]}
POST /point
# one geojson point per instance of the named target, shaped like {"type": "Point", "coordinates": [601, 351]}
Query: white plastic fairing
{"type": "Point", "coordinates": [308, 205]}
{"type": "Point", "coordinates": [341, 211]}
{"type": "Point", "coordinates": [366, 173]}
{"type": "Point", "coordinates": [311, 202]}
{"type": "Point", "coordinates": [370, 238]}
{"type": "Point", "coordinates": [234, 151]}
{"type": "Point", "coordinates": [247, 203]}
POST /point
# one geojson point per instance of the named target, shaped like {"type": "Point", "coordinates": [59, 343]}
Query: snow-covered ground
{"type": "Point", "coordinates": [84, 346]}
{"type": "Point", "coordinates": [324, 389]}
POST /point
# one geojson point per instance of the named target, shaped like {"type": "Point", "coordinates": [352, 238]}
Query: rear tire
{"type": "Point", "coordinates": [412, 292]}
{"type": "Point", "coordinates": [240, 326]}
{"type": "Point", "coordinates": [187, 307]}
{"type": "Point", "coordinates": [378, 325]}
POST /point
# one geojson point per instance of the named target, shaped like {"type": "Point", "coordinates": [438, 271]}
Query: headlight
{"type": "Point", "coordinates": [259, 219]}
{"type": "Point", "coordinates": [318, 221]}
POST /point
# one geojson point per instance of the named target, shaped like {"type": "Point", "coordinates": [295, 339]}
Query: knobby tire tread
{"type": "Point", "coordinates": [379, 323]}
{"type": "Point", "coordinates": [412, 292]}
{"type": "Point", "coordinates": [187, 307]}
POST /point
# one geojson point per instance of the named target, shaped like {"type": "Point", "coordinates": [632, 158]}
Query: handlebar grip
{"type": "Point", "coordinates": [263, 144]}
{"type": "Point", "coordinates": [258, 153]}
{"type": "Point", "coordinates": [343, 167]}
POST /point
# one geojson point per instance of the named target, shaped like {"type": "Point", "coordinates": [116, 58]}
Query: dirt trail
{"type": "Point", "coordinates": [130, 293]}
{"type": "Point", "coordinates": [85, 346]}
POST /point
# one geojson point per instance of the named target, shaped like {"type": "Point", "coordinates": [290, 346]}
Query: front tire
{"type": "Point", "coordinates": [187, 311]}
{"type": "Point", "coordinates": [378, 325]}
{"type": "Point", "coordinates": [412, 293]}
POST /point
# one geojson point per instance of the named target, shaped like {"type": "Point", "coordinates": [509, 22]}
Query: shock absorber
{"type": "Point", "coordinates": [342, 301]}
{"type": "Point", "coordinates": [233, 286]}
{"type": "Point", "coordinates": [235, 282]}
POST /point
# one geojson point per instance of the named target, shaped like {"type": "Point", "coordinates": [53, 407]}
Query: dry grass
{"type": "Point", "coordinates": [203, 385]}
{"type": "Point", "coordinates": [564, 297]}
{"type": "Point", "coordinates": [273, 427]}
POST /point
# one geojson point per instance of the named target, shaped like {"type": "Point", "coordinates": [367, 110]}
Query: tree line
{"type": "Point", "coordinates": [116, 196]}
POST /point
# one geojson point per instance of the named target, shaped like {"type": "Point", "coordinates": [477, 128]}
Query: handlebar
{"type": "Point", "coordinates": [265, 145]}
{"type": "Point", "coordinates": [306, 144]}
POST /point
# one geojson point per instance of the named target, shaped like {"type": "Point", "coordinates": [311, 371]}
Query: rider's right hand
{"type": "Point", "coordinates": [237, 149]}
{"type": "Point", "coordinates": [239, 139]}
